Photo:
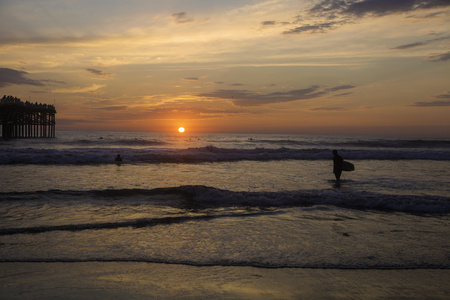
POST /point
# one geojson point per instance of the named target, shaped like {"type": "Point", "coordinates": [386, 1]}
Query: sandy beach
{"type": "Point", "coordinates": [116, 280]}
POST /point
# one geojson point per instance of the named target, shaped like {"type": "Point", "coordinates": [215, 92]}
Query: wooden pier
{"type": "Point", "coordinates": [20, 119]}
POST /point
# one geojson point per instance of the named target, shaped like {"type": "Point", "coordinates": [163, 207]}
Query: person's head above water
{"type": "Point", "coordinates": [335, 152]}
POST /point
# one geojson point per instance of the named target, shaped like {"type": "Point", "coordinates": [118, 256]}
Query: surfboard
{"type": "Point", "coordinates": [347, 166]}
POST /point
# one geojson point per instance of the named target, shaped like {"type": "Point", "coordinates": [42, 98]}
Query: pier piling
{"type": "Point", "coordinates": [20, 119]}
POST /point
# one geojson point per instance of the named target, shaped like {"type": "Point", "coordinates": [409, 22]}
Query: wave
{"type": "Point", "coordinates": [98, 240]}
{"type": "Point", "coordinates": [203, 154]}
{"type": "Point", "coordinates": [201, 197]}
{"type": "Point", "coordinates": [145, 222]}
{"type": "Point", "coordinates": [115, 142]}
{"type": "Point", "coordinates": [254, 263]}
{"type": "Point", "coordinates": [361, 143]}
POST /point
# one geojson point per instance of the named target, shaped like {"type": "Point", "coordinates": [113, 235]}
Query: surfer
{"type": "Point", "coordinates": [337, 165]}
{"type": "Point", "coordinates": [118, 158]}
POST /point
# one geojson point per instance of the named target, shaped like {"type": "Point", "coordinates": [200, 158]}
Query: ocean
{"type": "Point", "coordinates": [254, 200]}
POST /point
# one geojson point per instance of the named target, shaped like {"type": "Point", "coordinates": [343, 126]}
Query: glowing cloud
{"type": "Point", "coordinates": [77, 90]}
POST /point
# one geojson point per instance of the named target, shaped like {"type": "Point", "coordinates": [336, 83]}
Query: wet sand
{"type": "Point", "coordinates": [129, 280]}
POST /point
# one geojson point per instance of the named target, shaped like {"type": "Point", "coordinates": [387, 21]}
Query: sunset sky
{"type": "Point", "coordinates": [274, 66]}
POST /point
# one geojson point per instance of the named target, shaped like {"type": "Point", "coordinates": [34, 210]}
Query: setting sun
{"type": "Point", "coordinates": [181, 129]}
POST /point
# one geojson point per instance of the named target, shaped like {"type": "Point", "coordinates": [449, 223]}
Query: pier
{"type": "Point", "coordinates": [20, 119]}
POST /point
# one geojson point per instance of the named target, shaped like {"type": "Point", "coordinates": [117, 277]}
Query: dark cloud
{"type": "Point", "coordinates": [381, 7]}
{"type": "Point", "coordinates": [432, 103]}
{"type": "Point", "coordinates": [343, 94]}
{"type": "Point", "coordinates": [13, 77]}
{"type": "Point", "coordinates": [97, 72]}
{"type": "Point", "coordinates": [335, 13]}
{"type": "Point", "coordinates": [328, 6]}
{"type": "Point", "coordinates": [182, 18]}
{"type": "Point", "coordinates": [426, 16]}
{"type": "Point", "coordinates": [191, 79]}
{"type": "Point", "coordinates": [318, 28]}
{"type": "Point", "coordinates": [435, 103]}
{"type": "Point", "coordinates": [439, 57]}
{"type": "Point", "coordinates": [248, 98]}
{"type": "Point", "coordinates": [273, 23]}
{"type": "Point", "coordinates": [418, 44]}
{"type": "Point", "coordinates": [408, 46]}
{"type": "Point", "coordinates": [444, 96]}
{"type": "Point", "coordinates": [340, 88]}
{"type": "Point", "coordinates": [326, 108]}
{"type": "Point", "coordinates": [113, 108]}
{"type": "Point", "coordinates": [376, 7]}
{"type": "Point", "coordinates": [268, 23]}
{"type": "Point", "coordinates": [386, 7]}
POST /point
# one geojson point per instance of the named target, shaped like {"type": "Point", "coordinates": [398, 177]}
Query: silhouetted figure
{"type": "Point", "coordinates": [118, 158]}
{"type": "Point", "coordinates": [337, 165]}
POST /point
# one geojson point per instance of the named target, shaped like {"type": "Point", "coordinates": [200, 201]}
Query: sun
{"type": "Point", "coordinates": [181, 129]}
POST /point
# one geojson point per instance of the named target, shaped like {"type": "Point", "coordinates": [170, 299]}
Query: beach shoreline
{"type": "Point", "coordinates": [140, 280]}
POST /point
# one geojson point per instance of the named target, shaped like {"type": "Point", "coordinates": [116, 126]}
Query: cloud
{"type": "Point", "coordinates": [248, 98]}
{"type": "Point", "coordinates": [97, 72]}
{"type": "Point", "coordinates": [188, 112]}
{"type": "Point", "coordinates": [318, 28]}
{"type": "Point", "coordinates": [52, 81]}
{"type": "Point", "coordinates": [432, 104]}
{"type": "Point", "coordinates": [418, 44]}
{"type": "Point", "coordinates": [13, 77]}
{"type": "Point", "coordinates": [427, 16]}
{"type": "Point", "coordinates": [268, 23]}
{"type": "Point", "coordinates": [182, 18]}
{"type": "Point", "coordinates": [343, 94]}
{"type": "Point", "coordinates": [76, 90]}
{"type": "Point", "coordinates": [340, 88]}
{"type": "Point", "coordinates": [195, 78]}
{"type": "Point", "coordinates": [386, 7]}
{"type": "Point", "coordinates": [408, 46]}
{"type": "Point", "coordinates": [374, 7]}
{"type": "Point", "coordinates": [439, 57]}
{"type": "Point", "coordinates": [113, 108]}
{"type": "Point", "coordinates": [335, 13]}
{"type": "Point", "coordinates": [446, 95]}
{"type": "Point", "coordinates": [326, 108]}
{"type": "Point", "coordinates": [438, 103]}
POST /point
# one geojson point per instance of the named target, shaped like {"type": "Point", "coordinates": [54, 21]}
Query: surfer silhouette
{"type": "Point", "coordinates": [337, 165]}
{"type": "Point", "coordinates": [118, 158]}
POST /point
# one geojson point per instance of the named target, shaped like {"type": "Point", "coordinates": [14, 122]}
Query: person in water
{"type": "Point", "coordinates": [337, 165]}
{"type": "Point", "coordinates": [118, 158]}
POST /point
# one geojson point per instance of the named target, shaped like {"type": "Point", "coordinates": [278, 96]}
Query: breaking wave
{"type": "Point", "coordinates": [201, 197]}
{"type": "Point", "coordinates": [203, 154]}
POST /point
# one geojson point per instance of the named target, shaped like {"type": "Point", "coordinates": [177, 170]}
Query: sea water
{"type": "Point", "coordinates": [225, 199]}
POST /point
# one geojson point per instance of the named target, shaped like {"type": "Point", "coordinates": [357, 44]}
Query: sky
{"type": "Point", "coordinates": [272, 66]}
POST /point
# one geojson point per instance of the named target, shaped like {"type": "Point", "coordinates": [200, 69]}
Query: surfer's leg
{"type": "Point", "coordinates": [338, 175]}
